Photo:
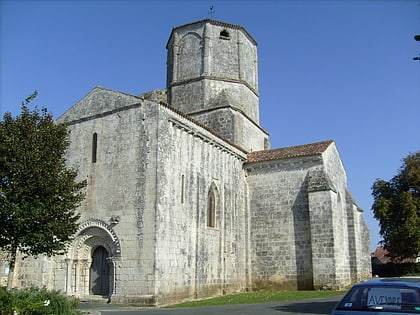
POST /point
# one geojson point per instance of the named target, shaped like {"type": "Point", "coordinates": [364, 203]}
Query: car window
{"type": "Point", "coordinates": [385, 298]}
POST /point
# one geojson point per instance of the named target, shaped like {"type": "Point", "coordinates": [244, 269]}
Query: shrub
{"type": "Point", "coordinates": [36, 301]}
{"type": "Point", "coordinates": [5, 305]}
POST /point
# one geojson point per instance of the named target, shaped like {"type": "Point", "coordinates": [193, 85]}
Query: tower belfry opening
{"type": "Point", "coordinates": [224, 34]}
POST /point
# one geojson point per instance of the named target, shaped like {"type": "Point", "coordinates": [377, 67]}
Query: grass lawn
{"type": "Point", "coordinates": [261, 296]}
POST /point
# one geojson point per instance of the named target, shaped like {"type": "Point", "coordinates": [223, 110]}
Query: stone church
{"type": "Point", "coordinates": [185, 198]}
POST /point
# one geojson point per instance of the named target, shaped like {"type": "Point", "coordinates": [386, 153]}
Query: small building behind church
{"type": "Point", "coordinates": [186, 199]}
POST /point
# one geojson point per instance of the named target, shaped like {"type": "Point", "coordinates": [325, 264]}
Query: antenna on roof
{"type": "Point", "coordinates": [211, 12]}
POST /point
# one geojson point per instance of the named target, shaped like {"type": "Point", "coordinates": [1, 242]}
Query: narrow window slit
{"type": "Point", "coordinates": [182, 188]}
{"type": "Point", "coordinates": [94, 147]}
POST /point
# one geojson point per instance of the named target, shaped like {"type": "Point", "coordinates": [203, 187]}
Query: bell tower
{"type": "Point", "coordinates": [212, 75]}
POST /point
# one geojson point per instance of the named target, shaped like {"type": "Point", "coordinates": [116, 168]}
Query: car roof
{"type": "Point", "coordinates": [403, 281]}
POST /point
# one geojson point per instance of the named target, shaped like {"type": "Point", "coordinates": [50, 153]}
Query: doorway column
{"type": "Point", "coordinates": [68, 275]}
{"type": "Point", "coordinates": [113, 275]}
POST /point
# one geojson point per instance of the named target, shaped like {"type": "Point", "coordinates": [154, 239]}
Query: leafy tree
{"type": "Point", "coordinates": [397, 207]}
{"type": "Point", "coordinates": [38, 193]}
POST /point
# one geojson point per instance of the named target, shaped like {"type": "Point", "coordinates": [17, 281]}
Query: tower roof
{"type": "Point", "coordinates": [217, 23]}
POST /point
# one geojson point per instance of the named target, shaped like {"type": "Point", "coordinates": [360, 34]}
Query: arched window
{"type": "Point", "coordinates": [6, 269]}
{"type": "Point", "coordinates": [212, 206]}
{"type": "Point", "coordinates": [94, 147]}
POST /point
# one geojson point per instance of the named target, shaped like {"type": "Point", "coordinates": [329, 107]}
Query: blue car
{"type": "Point", "coordinates": [393, 296]}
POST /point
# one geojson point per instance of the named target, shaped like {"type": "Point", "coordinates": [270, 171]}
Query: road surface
{"type": "Point", "coordinates": [305, 307]}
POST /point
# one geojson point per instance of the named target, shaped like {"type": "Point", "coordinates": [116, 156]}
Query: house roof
{"type": "Point", "coordinates": [289, 152]}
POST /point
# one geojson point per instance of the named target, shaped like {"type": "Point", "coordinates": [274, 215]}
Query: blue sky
{"type": "Point", "coordinates": [340, 70]}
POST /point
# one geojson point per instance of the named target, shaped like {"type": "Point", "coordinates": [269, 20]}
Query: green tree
{"type": "Point", "coordinates": [38, 193]}
{"type": "Point", "coordinates": [397, 208]}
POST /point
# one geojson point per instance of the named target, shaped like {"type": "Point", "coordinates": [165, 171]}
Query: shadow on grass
{"type": "Point", "coordinates": [313, 307]}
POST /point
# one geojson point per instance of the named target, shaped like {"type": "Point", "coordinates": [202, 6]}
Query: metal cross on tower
{"type": "Point", "coordinates": [211, 12]}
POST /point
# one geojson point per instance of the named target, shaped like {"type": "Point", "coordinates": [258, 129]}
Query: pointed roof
{"type": "Point", "coordinates": [98, 101]}
{"type": "Point", "coordinates": [310, 149]}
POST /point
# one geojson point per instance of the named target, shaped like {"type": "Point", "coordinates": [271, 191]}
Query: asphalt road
{"type": "Point", "coordinates": [306, 307]}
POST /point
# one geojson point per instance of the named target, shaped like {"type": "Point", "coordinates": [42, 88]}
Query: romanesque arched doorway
{"type": "Point", "coordinates": [92, 260]}
{"type": "Point", "coordinates": [99, 272]}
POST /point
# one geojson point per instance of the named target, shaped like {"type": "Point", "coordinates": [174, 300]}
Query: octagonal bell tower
{"type": "Point", "coordinates": [212, 75]}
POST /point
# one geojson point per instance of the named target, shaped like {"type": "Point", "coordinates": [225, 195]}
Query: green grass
{"type": "Point", "coordinates": [260, 297]}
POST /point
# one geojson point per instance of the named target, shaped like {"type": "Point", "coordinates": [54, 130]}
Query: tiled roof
{"type": "Point", "coordinates": [289, 152]}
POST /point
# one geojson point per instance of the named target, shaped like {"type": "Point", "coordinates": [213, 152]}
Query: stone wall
{"type": "Point", "coordinates": [121, 187]}
{"type": "Point", "coordinates": [117, 188]}
{"type": "Point", "coordinates": [305, 230]}
{"type": "Point", "coordinates": [234, 127]}
{"type": "Point", "coordinates": [280, 227]}
{"type": "Point", "coordinates": [328, 209]}
{"type": "Point", "coordinates": [193, 259]}
{"type": "Point", "coordinates": [340, 256]}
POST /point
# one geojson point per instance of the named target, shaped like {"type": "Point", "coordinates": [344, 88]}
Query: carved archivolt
{"type": "Point", "coordinates": [91, 234]}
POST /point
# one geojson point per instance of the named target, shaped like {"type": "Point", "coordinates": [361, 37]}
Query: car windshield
{"type": "Point", "coordinates": [384, 298]}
